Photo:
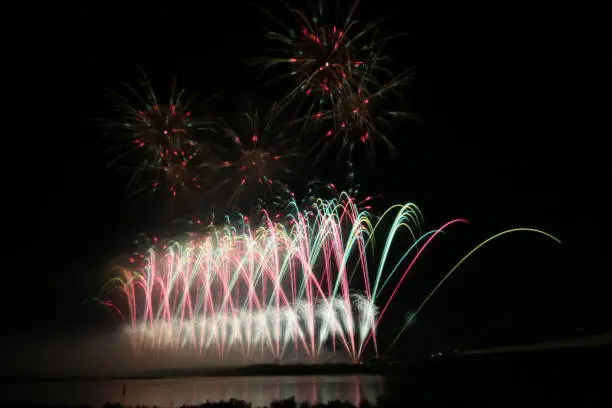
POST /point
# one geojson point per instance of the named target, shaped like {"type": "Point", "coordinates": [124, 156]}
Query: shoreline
{"type": "Point", "coordinates": [268, 370]}
{"type": "Point", "coordinates": [543, 359]}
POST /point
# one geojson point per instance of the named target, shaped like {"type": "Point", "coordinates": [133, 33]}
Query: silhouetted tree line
{"type": "Point", "coordinates": [235, 403]}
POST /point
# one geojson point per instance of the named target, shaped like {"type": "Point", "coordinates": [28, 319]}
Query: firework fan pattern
{"type": "Point", "coordinates": [280, 289]}
{"type": "Point", "coordinates": [289, 289]}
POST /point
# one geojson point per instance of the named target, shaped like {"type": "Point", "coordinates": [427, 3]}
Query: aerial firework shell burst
{"type": "Point", "coordinates": [357, 116]}
{"type": "Point", "coordinates": [339, 67]}
{"type": "Point", "coordinates": [258, 161]}
{"type": "Point", "coordinates": [163, 136]}
{"type": "Point", "coordinates": [323, 51]}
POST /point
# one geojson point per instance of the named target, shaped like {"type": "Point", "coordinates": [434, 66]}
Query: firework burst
{"type": "Point", "coordinates": [322, 51]}
{"type": "Point", "coordinates": [343, 81]}
{"type": "Point", "coordinates": [357, 116]}
{"type": "Point", "coordinates": [165, 153]}
{"type": "Point", "coordinates": [258, 160]}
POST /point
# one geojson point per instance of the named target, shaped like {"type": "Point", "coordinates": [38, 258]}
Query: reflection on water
{"type": "Point", "coordinates": [177, 391]}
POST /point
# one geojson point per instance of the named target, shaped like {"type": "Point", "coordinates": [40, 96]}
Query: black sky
{"type": "Point", "coordinates": [488, 86]}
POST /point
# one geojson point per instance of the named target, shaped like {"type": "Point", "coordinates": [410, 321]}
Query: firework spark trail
{"type": "Point", "coordinates": [270, 291]}
{"type": "Point", "coordinates": [457, 265]}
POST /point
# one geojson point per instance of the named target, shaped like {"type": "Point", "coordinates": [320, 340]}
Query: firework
{"type": "Point", "coordinates": [357, 116]}
{"type": "Point", "coordinates": [411, 316]}
{"type": "Point", "coordinates": [282, 288]}
{"type": "Point", "coordinates": [283, 280]}
{"type": "Point", "coordinates": [323, 51]}
{"type": "Point", "coordinates": [258, 160]}
{"type": "Point", "coordinates": [342, 79]}
{"type": "Point", "coordinates": [318, 190]}
{"type": "Point", "coordinates": [297, 287]}
{"type": "Point", "coordinates": [165, 153]}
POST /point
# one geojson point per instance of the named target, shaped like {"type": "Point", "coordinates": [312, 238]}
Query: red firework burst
{"type": "Point", "coordinates": [357, 116]}
{"type": "Point", "coordinates": [165, 153]}
{"type": "Point", "coordinates": [323, 51]}
{"type": "Point", "coordinates": [258, 160]}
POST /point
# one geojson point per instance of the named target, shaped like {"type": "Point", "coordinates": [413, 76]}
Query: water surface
{"type": "Point", "coordinates": [194, 390]}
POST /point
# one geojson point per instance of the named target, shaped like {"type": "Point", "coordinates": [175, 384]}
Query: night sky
{"type": "Point", "coordinates": [489, 148]}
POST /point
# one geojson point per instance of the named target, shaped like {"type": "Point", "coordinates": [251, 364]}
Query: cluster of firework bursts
{"type": "Point", "coordinates": [287, 277]}
{"type": "Point", "coordinates": [334, 94]}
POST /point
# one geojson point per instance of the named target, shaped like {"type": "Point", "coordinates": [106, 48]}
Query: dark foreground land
{"type": "Point", "coordinates": [579, 377]}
